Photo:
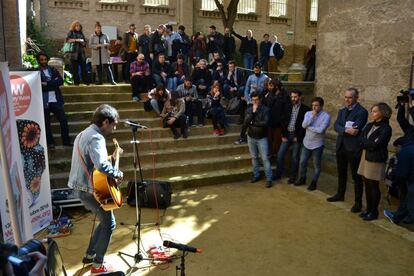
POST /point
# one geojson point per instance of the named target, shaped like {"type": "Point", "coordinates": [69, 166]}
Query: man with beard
{"type": "Point", "coordinates": [90, 153]}
{"type": "Point", "coordinates": [255, 83]}
{"type": "Point", "coordinates": [52, 100]}
{"type": "Point", "coordinates": [130, 45]}
{"type": "Point", "coordinates": [292, 136]}
{"type": "Point", "coordinates": [140, 77]}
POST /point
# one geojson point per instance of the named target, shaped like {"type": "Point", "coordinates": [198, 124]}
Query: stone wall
{"type": "Point", "coordinates": [10, 40]}
{"type": "Point", "coordinates": [365, 44]}
{"type": "Point", "coordinates": [57, 16]}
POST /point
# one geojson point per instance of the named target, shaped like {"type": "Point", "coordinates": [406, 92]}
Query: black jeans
{"type": "Point", "coordinates": [130, 57]}
{"type": "Point", "coordinates": [180, 123]}
{"type": "Point", "coordinates": [372, 195]}
{"type": "Point", "coordinates": [406, 207]}
{"type": "Point", "coordinates": [107, 68]}
{"type": "Point", "coordinates": [343, 158]}
{"type": "Point", "coordinates": [59, 112]}
{"type": "Point", "coordinates": [140, 84]}
{"type": "Point", "coordinates": [218, 118]}
{"type": "Point", "coordinates": [194, 108]}
{"type": "Point", "coordinates": [75, 72]}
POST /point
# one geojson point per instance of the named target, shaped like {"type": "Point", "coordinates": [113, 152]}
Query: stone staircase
{"type": "Point", "coordinates": [201, 159]}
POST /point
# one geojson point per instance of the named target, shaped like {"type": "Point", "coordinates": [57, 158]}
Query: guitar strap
{"type": "Point", "coordinates": [83, 161]}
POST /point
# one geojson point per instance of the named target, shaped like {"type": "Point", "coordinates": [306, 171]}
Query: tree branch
{"type": "Point", "coordinates": [223, 13]}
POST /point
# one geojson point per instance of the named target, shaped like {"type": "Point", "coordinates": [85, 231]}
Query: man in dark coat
{"type": "Point", "coordinates": [52, 100]}
{"type": "Point", "coordinates": [349, 123]}
{"type": "Point", "coordinates": [292, 136]}
{"type": "Point", "coordinates": [229, 45]}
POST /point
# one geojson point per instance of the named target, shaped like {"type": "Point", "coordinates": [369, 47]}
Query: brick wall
{"type": "Point", "coordinates": [366, 44]}
{"type": "Point", "coordinates": [59, 14]}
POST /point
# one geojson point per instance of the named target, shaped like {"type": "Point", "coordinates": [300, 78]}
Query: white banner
{"type": "Point", "coordinates": [14, 203]}
{"type": "Point", "coordinates": [28, 107]}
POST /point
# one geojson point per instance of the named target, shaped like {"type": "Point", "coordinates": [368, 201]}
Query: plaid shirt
{"type": "Point", "coordinates": [136, 67]}
{"type": "Point", "coordinates": [293, 117]}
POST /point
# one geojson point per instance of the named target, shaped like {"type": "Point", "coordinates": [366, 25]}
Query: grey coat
{"type": "Point", "coordinates": [93, 43]}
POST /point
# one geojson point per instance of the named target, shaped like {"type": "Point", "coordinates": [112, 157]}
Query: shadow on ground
{"type": "Point", "coordinates": [246, 229]}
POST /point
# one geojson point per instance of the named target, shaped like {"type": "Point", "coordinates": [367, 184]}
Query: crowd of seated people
{"type": "Point", "coordinates": [197, 77]}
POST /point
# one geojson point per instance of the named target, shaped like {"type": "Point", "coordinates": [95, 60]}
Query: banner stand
{"type": "Point", "coordinates": [11, 203]}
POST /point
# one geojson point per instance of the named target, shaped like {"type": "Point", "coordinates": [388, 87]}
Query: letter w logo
{"type": "Point", "coordinates": [17, 89]}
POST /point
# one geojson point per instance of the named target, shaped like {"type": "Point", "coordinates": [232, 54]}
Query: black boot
{"type": "Point", "coordinates": [175, 133]}
{"type": "Point", "coordinates": [312, 186]}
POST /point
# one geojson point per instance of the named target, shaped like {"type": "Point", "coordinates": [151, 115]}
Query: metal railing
{"type": "Point", "coordinates": [246, 6]}
{"type": "Point", "coordinates": [277, 8]}
{"type": "Point", "coordinates": [209, 5]}
{"type": "Point", "coordinates": [156, 3]}
{"type": "Point", "coordinates": [314, 11]}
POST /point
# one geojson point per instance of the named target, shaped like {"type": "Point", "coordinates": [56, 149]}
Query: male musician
{"type": "Point", "coordinates": [89, 153]}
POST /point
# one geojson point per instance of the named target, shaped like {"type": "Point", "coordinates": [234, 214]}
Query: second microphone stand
{"type": "Point", "coordinates": [138, 186]}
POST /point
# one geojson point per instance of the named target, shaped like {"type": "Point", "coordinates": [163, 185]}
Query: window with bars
{"type": "Point", "coordinates": [246, 6]}
{"type": "Point", "coordinates": [314, 11]}
{"type": "Point", "coordinates": [113, 1]}
{"type": "Point", "coordinates": [277, 8]}
{"type": "Point", "coordinates": [209, 5]}
{"type": "Point", "coordinates": [155, 3]}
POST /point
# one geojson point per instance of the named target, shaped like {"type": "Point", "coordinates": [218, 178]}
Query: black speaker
{"type": "Point", "coordinates": [151, 194]}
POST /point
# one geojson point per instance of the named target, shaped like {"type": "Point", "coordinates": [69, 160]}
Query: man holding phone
{"type": "Point", "coordinates": [349, 123]}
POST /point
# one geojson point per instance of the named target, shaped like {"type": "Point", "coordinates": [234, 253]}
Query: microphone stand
{"type": "Point", "coordinates": [137, 232]}
{"type": "Point", "coordinates": [181, 268]}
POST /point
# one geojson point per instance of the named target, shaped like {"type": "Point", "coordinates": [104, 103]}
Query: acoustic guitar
{"type": "Point", "coordinates": [110, 196]}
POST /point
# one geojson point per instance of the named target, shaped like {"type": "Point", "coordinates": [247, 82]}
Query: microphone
{"type": "Point", "coordinates": [134, 124]}
{"type": "Point", "coordinates": [182, 247]}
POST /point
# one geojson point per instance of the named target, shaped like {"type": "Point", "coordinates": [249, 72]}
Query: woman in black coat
{"type": "Point", "coordinates": [78, 56]}
{"type": "Point", "coordinates": [374, 141]}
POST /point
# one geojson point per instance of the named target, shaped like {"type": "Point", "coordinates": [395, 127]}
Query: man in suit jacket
{"type": "Point", "coordinates": [52, 100]}
{"type": "Point", "coordinates": [351, 120]}
{"type": "Point", "coordinates": [292, 136]}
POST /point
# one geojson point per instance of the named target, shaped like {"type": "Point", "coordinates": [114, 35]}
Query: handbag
{"type": "Point", "coordinates": [233, 107]}
{"type": "Point", "coordinates": [68, 47]}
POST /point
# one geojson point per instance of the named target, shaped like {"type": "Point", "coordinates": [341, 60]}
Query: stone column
{"type": "Point", "coordinates": [9, 37]}
{"type": "Point", "coordinates": [186, 13]}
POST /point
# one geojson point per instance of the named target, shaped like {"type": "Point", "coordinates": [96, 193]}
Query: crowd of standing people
{"type": "Point", "coordinates": [274, 122]}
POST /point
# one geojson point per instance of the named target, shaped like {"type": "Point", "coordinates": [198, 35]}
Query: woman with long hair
{"type": "Point", "coordinates": [374, 141]}
{"type": "Point", "coordinates": [78, 56]}
{"type": "Point", "coordinates": [216, 110]}
{"type": "Point", "coordinates": [158, 96]}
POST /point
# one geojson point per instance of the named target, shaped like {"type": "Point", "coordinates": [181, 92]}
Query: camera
{"type": "Point", "coordinates": [17, 257]}
{"type": "Point", "coordinates": [404, 97]}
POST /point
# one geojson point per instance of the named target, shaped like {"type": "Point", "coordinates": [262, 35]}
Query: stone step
{"type": "Point", "coordinates": [149, 119]}
{"type": "Point", "coordinates": [155, 132]}
{"type": "Point", "coordinates": [90, 89]}
{"type": "Point", "coordinates": [89, 105]}
{"type": "Point", "coordinates": [172, 170]}
{"type": "Point", "coordinates": [59, 165]}
{"type": "Point", "coordinates": [160, 144]}
{"type": "Point", "coordinates": [94, 97]}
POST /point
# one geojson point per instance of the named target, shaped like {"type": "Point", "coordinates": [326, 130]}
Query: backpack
{"type": "Point", "coordinates": [279, 51]}
{"type": "Point", "coordinates": [234, 106]}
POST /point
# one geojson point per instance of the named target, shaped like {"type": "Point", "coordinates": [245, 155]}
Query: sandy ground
{"type": "Point", "coordinates": [246, 229]}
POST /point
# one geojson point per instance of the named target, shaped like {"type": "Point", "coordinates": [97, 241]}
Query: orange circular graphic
{"type": "Point", "coordinates": [22, 96]}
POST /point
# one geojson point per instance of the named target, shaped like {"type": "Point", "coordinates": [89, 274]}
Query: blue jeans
{"type": "Point", "coordinates": [284, 147]}
{"type": "Point", "coordinates": [260, 147]}
{"type": "Point", "coordinates": [168, 83]}
{"type": "Point", "coordinates": [248, 60]}
{"type": "Point", "coordinates": [305, 155]}
{"type": "Point", "coordinates": [155, 106]}
{"type": "Point", "coordinates": [175, 82]}
{"type": "Point", "coordinates": [103, 231]}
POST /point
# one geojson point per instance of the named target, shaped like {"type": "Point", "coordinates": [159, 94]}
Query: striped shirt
{"type": "Point", "coordinates": [293, 117]}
